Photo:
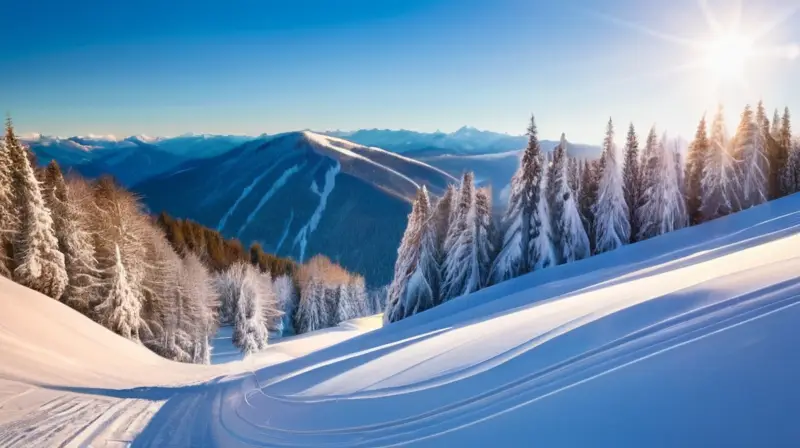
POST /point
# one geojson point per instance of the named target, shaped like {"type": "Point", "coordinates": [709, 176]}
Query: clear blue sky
{"type": "Point", "coordinates": [167, 67]}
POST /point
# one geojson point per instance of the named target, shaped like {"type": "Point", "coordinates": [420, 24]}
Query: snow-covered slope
{"type": "Point", "coordinates": [686, 340]}
{"type": "Point", "coordinates": [301, 194]}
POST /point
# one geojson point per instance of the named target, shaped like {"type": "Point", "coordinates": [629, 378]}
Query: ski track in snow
{"type": "Point", "coordinates": [274, 189]}
{"type": "Point", "coordinates": [311, 225]}
{"type": "Point", "coordinates": [285, 231]}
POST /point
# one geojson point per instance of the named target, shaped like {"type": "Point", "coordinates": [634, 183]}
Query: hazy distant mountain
{"type": "Point", "coordinates": [131, 159]}
{"type": "Point", "coordinates": [300, 194]}
{"type": "Point", "coordinates": [463, 141]}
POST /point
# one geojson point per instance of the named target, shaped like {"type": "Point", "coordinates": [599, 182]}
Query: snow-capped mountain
{"type": "Point", "coordinates": [465, 141]}
{"type": "Point", "coordinates": [129, 159]}
{"type": "Point", "coordinates": [300, 194]}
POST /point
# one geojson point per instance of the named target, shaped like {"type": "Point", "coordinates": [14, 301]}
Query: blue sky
{"type": "Point", "coordinates": [248, 67]}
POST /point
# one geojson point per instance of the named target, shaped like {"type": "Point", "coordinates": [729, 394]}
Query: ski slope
{"type": "Point", "coordinates": [686, 340]}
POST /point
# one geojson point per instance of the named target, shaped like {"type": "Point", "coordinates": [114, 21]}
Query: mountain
{"type": "Point", "coordinates": [131, 159]}
{"type": "Point", "coordinates": [684, 340]}
{"type": "Point", "coordinates": [300, 194]}
{"type": "Point", "coordinates": [465, 141]}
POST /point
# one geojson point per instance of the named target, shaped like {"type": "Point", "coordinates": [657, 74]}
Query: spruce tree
{"type": "Point", "coordinates": [750, 152]}
{"type": "Point", "coordinates": [719, 180]}
{"type": "Point", "coordinates": [120, 311]}
{"type": "Point", "coordinates": [441, 220]}
{"type": "Point", "coordinates": [630, 179]}
{"type": "Point", "coordinates": [574, 168]}
{"type": "Point", "coordinates": [74, 241]}
{"type": "Point", "coordinates": [570, 239]}
{"type": "Point", "coordinates": [695, 164]}
{"type": "Point", "coordinates": [38, 264]}
{"type": "Point", "coordinates": [587, 198]}
{"type": "Point", "coordinates": [522, 213]}
{"type": "Point", "coordinates": [663, 208]}
{"type": "Point", "coordinates": [461, 270]}
{"type": "Point", "coordinates": [416, 282]}
{"type": "Point", "coordinates": [485, 233]}
{"type": "Point", "coordinates": [791, 173]}
{"type": "Point", "coordinates": [612, 229]}
{"type": "Point", "coordinates": [791, 168]}
{"type": "Point", "coordinates": [541, 251]}
{"type": "Point", "coordinates": [9, 223]}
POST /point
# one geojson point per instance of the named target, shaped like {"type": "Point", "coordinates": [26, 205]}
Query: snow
{"type": "Point", "coordinates": [313, 222]}
{"type": "Point", "coordinates": [268, 195]}
{"type": "Point", "coordinates": [285, 231]}
{"type": "Point", "coordinates": [688, 339]}
{"type": "Point", "coordinates": [245, 192]}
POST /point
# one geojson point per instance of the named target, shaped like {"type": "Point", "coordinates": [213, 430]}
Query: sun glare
{"type": "Point", "coordinates": [727, 57]}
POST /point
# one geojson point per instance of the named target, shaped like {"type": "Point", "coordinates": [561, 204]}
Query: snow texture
{"type": "Point", "coordinates": [313, 222]}
{"type": "Point", "coordinates": [279, 183]}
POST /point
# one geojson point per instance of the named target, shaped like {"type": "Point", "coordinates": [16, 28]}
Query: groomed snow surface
{"type": "Point", "coordinates": [686, 340]}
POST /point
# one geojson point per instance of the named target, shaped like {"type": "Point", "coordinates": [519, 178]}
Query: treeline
{"type": "Point", "coordinates": [165, 283]}
{"type": "Point", "coordinates": [562, 210]}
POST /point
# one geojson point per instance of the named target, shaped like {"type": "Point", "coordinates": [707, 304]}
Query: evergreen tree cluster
{"type": "Point", "coordinates": [562, 210]}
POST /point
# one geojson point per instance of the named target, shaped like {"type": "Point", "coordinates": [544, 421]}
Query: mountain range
{"type": "Point", "coordinates": [299, 193]}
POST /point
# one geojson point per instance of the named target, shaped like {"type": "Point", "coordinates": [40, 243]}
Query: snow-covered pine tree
{"type": "Point", "coordinates": [203, 300]}
{"type": "Point", "coordinates": [775, 129]}
{"type": "Point", "coordinates": [250, 328]}
{"type": "Point", "coordinates": [750, 152]}
{"type": "Point", "coordinates": [719, 181]}
{"type": "Point", "coordinates": [612, 229]}
{"type": "Point", "coordinates": [74, 241]}
{"type": "Point", "coordinates": [441, 219]}
{"type": "Point", "coordinates": [8, 217]}
{"type": "Point", "coordinates": [790, 177]}
{"type": "Point", "coordinates": [570, 239]}
{"type": "Point", "coordinates": [574, 168]}
{"type": "Point", "coordinates": [630, 179]}
{"type": "Point", "coordinates": [660, 210]}
{"type": "Point", "coordinates": [683, 213]}
{"type": "Point", "coordinates": [416, 281]}
{"type": "Point", "coordinates": [286, 295]}
{"type": "Point", "coordinates": [777, 156]}
{"type": "Point", "coordinates": [523, 210]}
{"type": "Point", "coordinates": [587, 198]}
{"type": "Point", "coordinates": [120, 310]}
{"type": "Point", "coordinates": [38, 264]}
{"type": "Point", "coordinates": [485, 234]}
{"type": "Point", "coordinates": [462, 270]}
{"type": "Point", "coordinates": [695, 163]}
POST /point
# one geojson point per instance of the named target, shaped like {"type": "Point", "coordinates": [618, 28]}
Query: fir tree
{"type": "Point", "coordinates": [663, 208]}
{"type": "Point", "coordinates": [441, 220]}
{"type": "Point", "coordinates": [484, 233]}
{"type": "Point", "coordinates": [791, 168]}
{"type": "Point", "coordinates": [612, 229]}
{"type": "Point", "coordinates": [121, 310]}
{"type": "Point", "coordinates": [630, 179]}
{"type": "Point", "coordinates": [416, 282]}
{"type": "Point", "coordinates": [461, 270]}
{"type": "Point", "coordinates": [750, 152]}
{"type": "Point", "coordinates": [541, 252]}
{"type": "Point", "coordinates": [778, 156]}
{"type": "Point", "coordinates": [74, 241]}
{"type": "Point", "coordinates": [719, 180]}
{"type": "Point", "coordinates": [38, 263]}
{"type": "Point", "coordinates": [574, 168]}
{"type": "Point", "coordinates": [570, 239]}
{"type": "Point", "coordinates": [8, 218]}
{"type": "Point", "coordinates": [587, 198]}
{"type": "Point", "coordinates": [791, 173]}
{"type": "Point", "coordinates": [695, 164]}
{"type": "Point", "coordinates": [522, 214]}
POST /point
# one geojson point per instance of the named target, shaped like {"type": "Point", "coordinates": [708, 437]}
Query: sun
{"type": "Point", "coordinates": [727, 57]}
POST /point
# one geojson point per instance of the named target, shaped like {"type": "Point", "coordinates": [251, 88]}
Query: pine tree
{"type": "Point", "coordinates": [574, 168]}
{"type": "Point", "coordinates": [121, 310]}
{"type": "Point", "coordinates": [587, 198]}
{"type": "Point", "coordinates": [719, 180]}
{"type": "Point", "coordinates": [38, 263]}
{"type": "Point", "coordinates": [791, 173]}
{"type": "Point", "coordinates": [461, 270]}
{"type": "Point", "coordinates": [8, 218]}
{"type": "Point", "coordinates": [484, 233]}
{"type": "Point", "coordinates": [680, 200]}
{"type": "Point", "coordinates": [74, 241]}
{"type": "Point", "coordinates": [630, 179]}
{"type": "Point", "coordinates": [441, 220]}
{"type": "Point", "coordinates": [698, 151]}
{"type": "Point", "coordinates": [416, 282]}
{"type": "Point", "coordinates": [791, 168]}
{"type": "Point", "coordinates": [663, 209]}
{"type": "Point", "coordinates": [522, 215]}
{"type": "Point", "coordinates": [570, 239]}
{"type": "Point", "coordinates": [775, 129]}
{"type": "Point", "coordinates": [612, 229]}
{"type": "Point", "coordinates": [541, 251]}
{"type": "Point", "coordinates": [750, 152]}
